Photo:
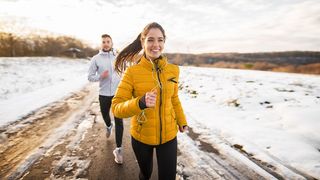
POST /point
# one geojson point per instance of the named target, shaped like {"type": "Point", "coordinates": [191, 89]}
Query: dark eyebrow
{"type": "Point", "coordinates": [155, 38]}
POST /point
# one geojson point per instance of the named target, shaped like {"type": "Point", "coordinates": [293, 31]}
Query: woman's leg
{"type": "Point", "coordinates": [144, 155]}
{"type": "Point", "coordinates": [167, 160]}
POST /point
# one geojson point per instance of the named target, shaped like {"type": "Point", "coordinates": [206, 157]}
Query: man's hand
{"type": "Point", "coordinates": [104, 74]}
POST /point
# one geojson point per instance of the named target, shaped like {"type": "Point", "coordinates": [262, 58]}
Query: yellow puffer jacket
{"type": "Point", "coordinates": [159, 124]}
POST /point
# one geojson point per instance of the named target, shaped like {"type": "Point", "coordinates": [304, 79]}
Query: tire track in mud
{"type": "Point", "coordinates": [227, 161]}
{"type": "Point", "coordinates": [201, 160]}
{"type": "Point", "coordinates": [66, 140]}
{"type": "Point", "coordinates": [26, 136]}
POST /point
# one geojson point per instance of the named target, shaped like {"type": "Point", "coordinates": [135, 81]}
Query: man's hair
{"type": "Point", "coordinates": [106, 36]}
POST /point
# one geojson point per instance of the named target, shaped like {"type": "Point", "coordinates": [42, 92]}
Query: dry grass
{"type": "Point", "coordinates": [264, 66]}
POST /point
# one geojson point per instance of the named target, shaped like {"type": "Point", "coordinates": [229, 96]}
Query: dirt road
{"type": "Point", "coordinates": [66, 140]}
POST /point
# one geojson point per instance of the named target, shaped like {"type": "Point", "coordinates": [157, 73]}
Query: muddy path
{"type": "Point", "coordinates": [66, 140]}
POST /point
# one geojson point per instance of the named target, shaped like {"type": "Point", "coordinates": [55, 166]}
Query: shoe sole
{"type": "Point", "coordinates": [120, 163]}
{"type": "Point", "coordinates": [115, 159]}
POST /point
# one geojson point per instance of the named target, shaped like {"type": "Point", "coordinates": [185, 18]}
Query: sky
{"type": "Point", "coordinates": [191, 26]}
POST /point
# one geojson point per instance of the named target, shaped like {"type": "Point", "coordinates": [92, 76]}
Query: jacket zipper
{"type": "Point", "coordinates": [160, 106]}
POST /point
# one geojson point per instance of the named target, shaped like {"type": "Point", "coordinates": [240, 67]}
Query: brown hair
{"type": "Point", "coordinates": [106, 36]}
{"type": "Point", "coordinates": [128, 53]}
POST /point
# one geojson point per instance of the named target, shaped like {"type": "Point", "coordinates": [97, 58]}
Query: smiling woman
{"type": "Point", "coordinates": [148, 92]}
{"type": "Point", "coordinates": [153, 45]}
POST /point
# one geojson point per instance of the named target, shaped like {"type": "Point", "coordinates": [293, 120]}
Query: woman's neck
{"type": "Point", "coordinates": [152, 59]}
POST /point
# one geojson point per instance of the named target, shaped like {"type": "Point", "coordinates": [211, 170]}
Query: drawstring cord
{"type": "Point", "coordinates": [142, 117]}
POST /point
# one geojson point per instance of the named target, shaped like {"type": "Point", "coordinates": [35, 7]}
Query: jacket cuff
{"type": "Point", "coordinates": [142, 102]}
{"type": "Point", "coordinates": [182, 122]}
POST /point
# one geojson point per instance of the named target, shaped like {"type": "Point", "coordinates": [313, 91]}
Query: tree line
{"type": "Point", "coordinates": [12, 45]}
{"type": "Point", "coordinates": [280, 58]}
{"type": "Point", "coordinates": [289, 61]}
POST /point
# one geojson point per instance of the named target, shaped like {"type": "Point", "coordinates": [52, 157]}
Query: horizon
{"type": "Point", "coordinates": [206, 27]}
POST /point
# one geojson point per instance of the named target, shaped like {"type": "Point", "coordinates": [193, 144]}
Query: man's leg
{"type": "Point", "coordinates": [118, 152]}
{"type": "Point", "coordinates": [119, 126]}
{"type": "Point", "coordinates": [105, 108]}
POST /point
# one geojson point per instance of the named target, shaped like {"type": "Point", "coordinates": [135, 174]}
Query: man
{"type": "Point", "coordinates": [102, 70]}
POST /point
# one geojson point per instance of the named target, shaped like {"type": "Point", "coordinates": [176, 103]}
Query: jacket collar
{"type": "Point", "coordinates": [101, 52]}
{"type": "Point", "coordinates": [159, 63]}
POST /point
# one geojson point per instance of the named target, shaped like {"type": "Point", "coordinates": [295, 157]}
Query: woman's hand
{"type": "Point", "coordinates": [183, 129]}
{"type": "Point", "coordinates": [151, 98]}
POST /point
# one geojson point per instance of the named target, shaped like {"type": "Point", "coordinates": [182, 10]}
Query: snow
{"type": "Point", "coordinates": [197, 164]}
{"type": "Point", "coordinates": [70, 161]}
{"type": "Point", "coordinates": [30, 83]}
{"type": "Point", "coordinates": [274, 116]}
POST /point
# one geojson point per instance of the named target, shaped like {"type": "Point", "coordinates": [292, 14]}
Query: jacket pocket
{"type": "Point", "coordinates": [172, 79]}
{"type": "Point", "coordinates": [141, 119]}
{"type": "Point", "coordinates": [139, 127]}
{"type": "Point", "coordinates": [173, 119]}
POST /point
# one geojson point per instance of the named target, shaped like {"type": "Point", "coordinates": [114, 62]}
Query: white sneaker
{"type": "Point", "coordinates": [118, 157]}
{"type": "Point", "coordinates": [109, 130]}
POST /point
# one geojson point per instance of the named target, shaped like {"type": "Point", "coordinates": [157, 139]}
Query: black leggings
{"type": "Point", "coordinates": [166, 159]}
{"type": "Point", "coordinates": [105, 104]}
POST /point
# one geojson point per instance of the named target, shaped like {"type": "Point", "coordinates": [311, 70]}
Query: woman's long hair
{"type": "Point", "coordinates": [128, 54]}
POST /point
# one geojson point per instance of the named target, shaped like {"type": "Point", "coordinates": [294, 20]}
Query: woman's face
{"type": "Point", "coordinates": [153, 43]}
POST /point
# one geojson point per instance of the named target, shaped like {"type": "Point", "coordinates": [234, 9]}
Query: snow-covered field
{"type": "Point", "coordinates": [274, 117]}
{"type": "Point", "coordinates": [29, 83]}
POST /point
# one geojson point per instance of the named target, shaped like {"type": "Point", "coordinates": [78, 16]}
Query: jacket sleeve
{"type": "Point", "coordinates": [93, 76]}
{"type": "Point", "coordinates": [181, 118]}
{"type": "Point", "coordinates": [123, 103]}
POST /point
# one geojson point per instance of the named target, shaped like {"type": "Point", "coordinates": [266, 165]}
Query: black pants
{"type": "Point", "coordinates": [105, 104]}
{"type": "Point", "coordinates": [166, 158]}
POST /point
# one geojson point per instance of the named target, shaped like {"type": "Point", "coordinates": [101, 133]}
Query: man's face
{"type": "Point", "coordinates": [106, 44]}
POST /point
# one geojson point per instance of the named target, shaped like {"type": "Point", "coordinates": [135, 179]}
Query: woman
{"type": "Point", "coordinates": [148, 92]}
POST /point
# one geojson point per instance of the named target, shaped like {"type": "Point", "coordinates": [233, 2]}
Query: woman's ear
{"type": "Point", "coordinates": [142, 44]}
